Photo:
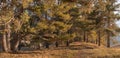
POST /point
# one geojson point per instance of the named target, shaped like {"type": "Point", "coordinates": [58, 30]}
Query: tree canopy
{"type": "Point", "coordinates": [57, 20]}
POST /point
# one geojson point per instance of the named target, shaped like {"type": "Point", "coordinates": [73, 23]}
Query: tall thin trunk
{"type": "Point", "coordinates": [4, 43]}
{"type": "Point", "coordinates": [87, 37]}
{"type": "Point", "coordinates": [99, 38]}
{"type": "Point", "coordinates": [8, 37]}
{"type": "Point", "coordinates": [84, 36]}
{"type": "Point", "coordinates": [108, 34]}
{"type": "Point", "coordinates": [96, 41]}
{"type": "Point", "coordinates": [108, 39]}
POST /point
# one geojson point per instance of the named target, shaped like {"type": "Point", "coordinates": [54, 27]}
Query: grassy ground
{"type": "Point", "coordinates": [77, 52]}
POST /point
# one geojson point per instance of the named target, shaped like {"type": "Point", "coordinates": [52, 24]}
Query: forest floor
{"type": "Point", "coordinates": [80, 51]}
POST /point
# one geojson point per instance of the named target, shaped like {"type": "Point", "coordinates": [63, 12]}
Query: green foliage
{"type": "Point", "coordinates": [67, 36]}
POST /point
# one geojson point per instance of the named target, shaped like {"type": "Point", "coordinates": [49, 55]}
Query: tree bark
{"type": "Point", "coordinates": [99, 38]}
{"type": "Point", "coordinates": [108, 34]}
{"type": "Point", "coordinates": [108, 39]}
{"type": "Point", "coordinates": [15, 43]}
{"type": "Point", "coordinates": [87, 37]}
{"type": "Point", "coordinates": [4, 43]}
{"type": "Point", "coordinates": [84, 36]}
{"type": "Point", "coordinates": [96, 41]}
{"type": "Point", "coordinates": [67, 43]}
{"type": "Point", "coordinates": [56, 44]}
{"type": "Point", "coordinates": [47, 45]}
{"type": "Point", "coordinates": [8, 37]}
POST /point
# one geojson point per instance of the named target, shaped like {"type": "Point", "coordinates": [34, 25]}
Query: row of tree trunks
{"type": "Point", "coordinates": [98, 40]}
{"type": "Point", "coordinates": [6, 38]}
{"type": "Point", "coordinates": [8, 44]}
{"type": "Point", "coordinates": [56, 44]}
{"type": "Point", "coordinates": [85, 36]}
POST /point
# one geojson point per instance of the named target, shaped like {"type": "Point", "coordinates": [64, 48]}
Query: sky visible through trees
{"type": "Point", "coordinates": [118, 22]}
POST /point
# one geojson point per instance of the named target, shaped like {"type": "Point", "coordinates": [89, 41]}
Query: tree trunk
{"type": "Point", "coordinates": [108, 34]}
{"type": "Point", "coordinates": [84, 36]}
{"type": "Point", "coordinates": [39, 46]}
{"type": "Point", "coordinates": [56, 44]}
{"type": "Point", "coordinates": [96, 41]}
{"type": "Point", "coordinates": [4, 43]}
{"type": "Point", "coordinates": [87, 37]}
{"type": "Point", "coordinates": [47, 45]}
{"type": "Point", "coordinates": [15, 43]}
{"type": "Point", "coordinates": [67, 43]}
{"type": "Point", "coordinates": [99, 38]}
{"type": "Point", "coordinates": [8, 38]}
{"type": "Point", "coordinates": [108, 39]}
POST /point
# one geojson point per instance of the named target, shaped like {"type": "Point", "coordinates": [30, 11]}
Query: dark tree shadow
{"type": "Point", "coordinates": [27, 52]}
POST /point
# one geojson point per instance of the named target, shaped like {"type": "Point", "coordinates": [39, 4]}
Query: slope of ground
{"type": "Point", "coordinates": [83, 45]}
{"type": "Point", "coordinates": [116, 46]}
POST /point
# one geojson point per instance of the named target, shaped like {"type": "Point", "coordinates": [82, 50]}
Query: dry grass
{"type": "Point", "coordinates": [95, 52]}
{"type": "Point", "coordinates": [66, 53]}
